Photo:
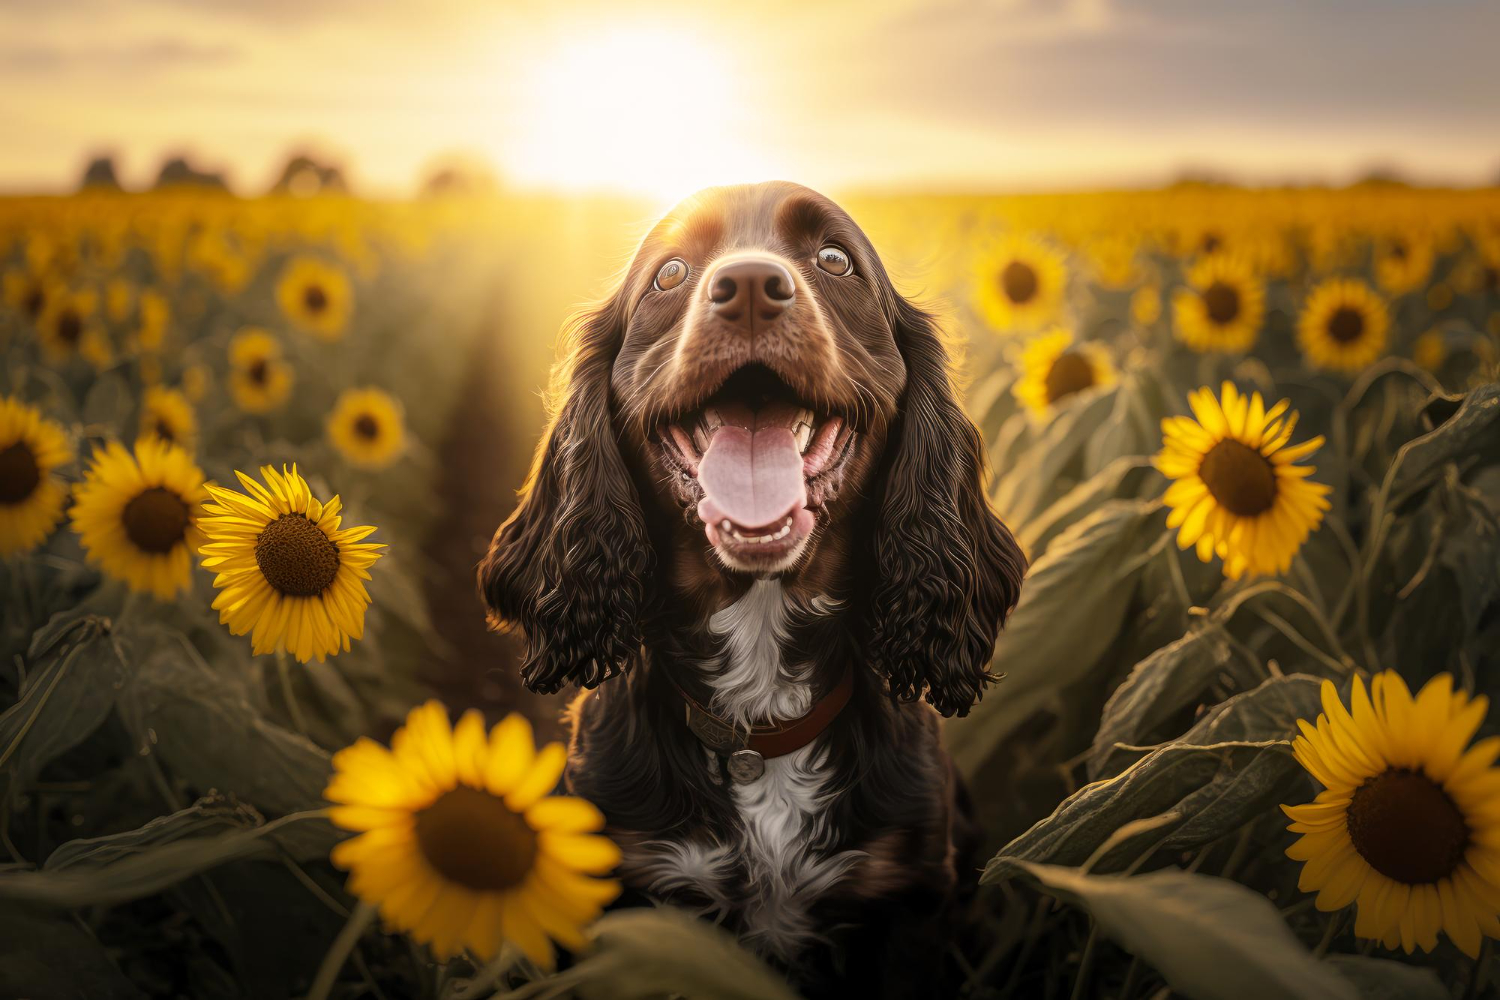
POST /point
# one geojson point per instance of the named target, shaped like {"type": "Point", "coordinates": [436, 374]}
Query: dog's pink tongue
{"type": "Point", "coordinates": [752, 478]}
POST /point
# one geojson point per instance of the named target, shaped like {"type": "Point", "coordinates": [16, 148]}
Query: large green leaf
{"type": "Point", "coordinates": [1474, 429]}
{"type": "Point", "coordinates": [1387, 979]}
{"type": "Point", "coordinates": [1052, 462]}
{"type": "Point", "coordinates": [1210, 938]}
{"type": "Point", "coordinates": [1124, 478]}
{"type": "Point", "coordinates": [50, 956]}
{"type": "Point", "coordinates": [1072, 604]}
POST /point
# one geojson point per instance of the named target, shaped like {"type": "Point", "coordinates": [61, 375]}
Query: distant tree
{"type": "Point", "coordinates": [460, 175]}
{"type": "Point", "coordinates": [177, 172]}
{"type": "Point", "coordinates": [304, 176]}
{"type": "Point", "coordinates": [99, 175]}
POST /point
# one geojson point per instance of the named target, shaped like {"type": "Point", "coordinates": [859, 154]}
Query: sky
{"type": "Point", "coordinates": [660, 98]}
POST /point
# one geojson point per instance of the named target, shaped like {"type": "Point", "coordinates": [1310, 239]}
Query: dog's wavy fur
{"type": "Point", "coordinates": [910, 580]}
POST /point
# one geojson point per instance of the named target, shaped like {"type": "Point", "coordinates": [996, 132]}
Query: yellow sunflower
{"type": "Point", "coordinates": [1054, 367]}
{"type": "Point", "coordinates": [1408, 823]}
{"type": "Point", "coordinates": [1020, 284]}
{"type": "Point", "coordinates": [1238, 492]}
{"type": "Point", "coordinates": [286, 571]}
{"type": "Point", "coordinates": [1402, 265]}
{"type": "Point", "coordinates": [66, 324]}
{"type": "Point", "coordinates": [119, 300]}
{"type": "Point", "coordinates": [1430, 349]}
{"type": "Point", "coordinates": [258, 379]}
{"type": "Point", "coordinates": [26, 293]}
{"type": "Point", "coordinates": [31, 497]}
{"type": "Point", "coordinates": [1223, 308]}
{"type": "Point", "coordinates": [137, 515]}
{"type": "Point", "coordinates": [315, 296]}
{"type": "Point", "coordinates": [367, 428]}
{"type": "Point", "coordinates": [462, 845]}
{"type": "Point", "coordinates": [166, 414]}
{"type": "Point", "coordinates": [1145, 305]}
{"type": "Point", "coordinates": [1343, 325]}
{"type": "Point", "coordinates": [155, 317]}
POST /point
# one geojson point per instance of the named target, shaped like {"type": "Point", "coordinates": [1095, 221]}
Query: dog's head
{"type": "Point", "coordinates": [753, 399]}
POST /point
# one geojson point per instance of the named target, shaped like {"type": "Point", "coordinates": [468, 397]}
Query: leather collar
{"type": "Point", "coordinates": [767, 739]}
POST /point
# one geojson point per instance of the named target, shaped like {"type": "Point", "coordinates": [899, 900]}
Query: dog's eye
{"type": "Point", "coordinates": [673, 273]}
{"type": "Point", "coordinates": [834, 260]}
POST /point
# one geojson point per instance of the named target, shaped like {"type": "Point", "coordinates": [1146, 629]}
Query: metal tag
{"type": "Point", "coordinates": [746, 766]}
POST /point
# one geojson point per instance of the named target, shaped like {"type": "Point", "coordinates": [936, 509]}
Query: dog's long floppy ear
{"type": "Point", "coordinates": [570, 565]}
{"type": "Point", "coordinates": [947, 570]}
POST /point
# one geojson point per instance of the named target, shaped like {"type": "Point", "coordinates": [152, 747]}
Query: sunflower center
{"type": "Point", "coordinates": [69, 327]}
{"type": "Point", "coordinates": [1239, 477]}
{"type": "Point", "coordinates": [314, 298]}
{"type": "Point", "coordinates": [257, 371]}
{"type": "Point", "coordinates": [19, 473]}
{"type": "Point", "coordinates": [155, 520]}
{"type": "Point", "coordinates": [296, 556]}
{"type": "Point", "coordinates": [35, 299]}
{"type": "Point", "coordinates": [366, 427]}
{"type": "Point", "coordinates": [1407, 827]}
{"type": "Point", "coordinates": [1211, 242]}
{"type": "Point", "coordinates": [1346, 324]}
{"type": "Point", "coordinates": [1019, 282]}
{"type": "Point", "coordinates": [471, 838]}
{"type": "Point", "coordinates": [164, 431]}
{"type": "Point", "coordinates": [1222, 302]}
{"type": "Point", "coordinates": [1070, 373]}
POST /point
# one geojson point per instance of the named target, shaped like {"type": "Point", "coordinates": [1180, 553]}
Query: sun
{"type": "Point", "coordinates": [639, 109]}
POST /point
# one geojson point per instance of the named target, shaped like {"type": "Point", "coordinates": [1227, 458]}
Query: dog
{"type": "Point", "coordinates": [760, 506]}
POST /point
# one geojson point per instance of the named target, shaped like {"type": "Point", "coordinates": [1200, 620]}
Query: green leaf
{"type": "Point", "coordinates": [1472, 430]}
{"type": "Point", "coordinates": [1210, 938]}
{"type": "Point", "coordinates": [1387, 979]}
{"type": "Point", "coordinates": [207, 816]}
{"type": "Point", "coordinates": [1052, 463]}
{"type": "Point", "coordinates": [1125, 478]}
{"type": "Point", "coordinates": [664, 952]}
{"type": "Point", "coordinates": [1161, 685]}
{"type": "Point", "coordinates": [1072, 604]}
{"type": "Point", "coordinates": [49, 955]}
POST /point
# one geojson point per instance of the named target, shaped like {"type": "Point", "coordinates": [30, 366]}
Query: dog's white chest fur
{"type": "Point", "coordinates": [783, 857]}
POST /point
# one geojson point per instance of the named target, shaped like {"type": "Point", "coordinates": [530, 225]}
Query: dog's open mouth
{"type": "Point", "coordinates": [759, 464]}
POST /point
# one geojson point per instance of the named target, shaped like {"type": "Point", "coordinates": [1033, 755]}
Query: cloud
{"type": "Point", "coordinates": [140, 57]}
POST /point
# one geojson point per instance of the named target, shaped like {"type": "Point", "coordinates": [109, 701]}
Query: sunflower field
{"type": "Point", "coordinates": [255, 741]}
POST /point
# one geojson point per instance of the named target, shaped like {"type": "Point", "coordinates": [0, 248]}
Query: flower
{"type": "Point", "coordinates": [286, 571]}
{"type": "Point", "coordinates": [26, 293]}
{"type": "Point", "coordinates": [1238, 492]}
{"type": "Point", "coordinates": [1408, 822]}
{"type": "Point", "coordinates": [166, 414]}
{"type": "Point", "coordinates": [1145, 305]}
{"type": "Point", "coordinates": [1223, 309]}
{"type": "Point", "coordinates": [137, 515]}
{"type": "Point", "coordinates": [1429, 349]}
{"type": "Point", "coordinates": [316, 296]}
{"type": "Point", "coordinates": [1402, 265]}
{"type": "Point", "coordinates": [65, 323]}
{"type": "Point", "coordinates": [259, 380]}
{"type": "Point", "coordinates": [1020, 283]}
{"type": "Point", "coordinates": [367, 428]}
{"type": "Point", "coordinates": [1343, 325]}
{"type": "Point", "coordinates": [31, 498]}
{"type": "Point", "coordinates": [460, 843]}
{"type": "Point", "coordinates": [1055, 367]}
{"type": "Point", "coordinates": [155, 316]}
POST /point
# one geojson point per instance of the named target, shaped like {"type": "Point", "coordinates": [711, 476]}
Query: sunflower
{"type": "Point", "coordinates": [461, 844]}
{"type": "Point", "coordinates": [285, 569]}
{"type": "Point", "coordinates": [1408, 822]}
{"type": "Point", "coordinates": [1238, 492]}
{"type": "Point", "coordinates": [366, 426]}
{"type": "Point", "coordinates": [1402, 265]}
{"type": "Point", "coordinates": [316, 296]}
{"type": "Point", "coordinates": [1343, 325]}
{"type": "Point", "coordinates": [155, 317]}
{"type": "Point", "coordinates": [26, 293]}
{"type": "Point", "coordinates": [1223, 309]}
{"type": "Point", "coordinates": [1020, 284]}
{"type": "Point", "coordinates": [258, 379]}
{"type": "Point", "coordinates": [1054, 367]}
{"type": "Point", "coordinates": [1429, 349]}
{"type": "Point", "coordinates": [137, 515]}
{"type": "Point", "coordinates": [166, 414]}
{"type": "Point", "coordinates": [1145, 305]}
{"type": "Point", "coordinates": [66, 323]}
{"type": "Point", "coordinates": [119, 300]}
{"type": "Point", "coordinates": [31, 498]}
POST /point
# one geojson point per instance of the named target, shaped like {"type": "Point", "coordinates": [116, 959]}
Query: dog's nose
{"type": "Point", "coordinates": [751, 290]}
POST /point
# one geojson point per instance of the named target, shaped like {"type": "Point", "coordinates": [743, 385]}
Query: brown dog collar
{"type": "Point", "coordinates": [746, 751]}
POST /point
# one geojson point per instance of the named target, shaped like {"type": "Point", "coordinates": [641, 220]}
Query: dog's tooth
{"type": "Point", "coordinates": [700, 437]}
{"type": "Point", "coordinates": [711, 419]}
{"type": "Point", "coordinates": [803, 434]}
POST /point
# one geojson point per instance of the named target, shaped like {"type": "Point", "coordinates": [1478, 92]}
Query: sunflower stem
{"type": "Point", "coordinates": [1085, 964]}
{"type": "Point", "coordinates": [284, 673]}
{"type": "Point", "coordinates": [338, 952]}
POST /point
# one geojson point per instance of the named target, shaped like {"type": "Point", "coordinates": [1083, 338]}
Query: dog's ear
{"type": "Point", "coordinates": [570, 566]}
{"type": "Point", "coordinates": [947, 571]}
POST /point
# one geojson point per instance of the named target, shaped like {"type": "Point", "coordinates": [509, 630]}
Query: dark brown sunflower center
{"type": "Point", "coordinates": [1407, 827]}
{"type": "Point", "coordinates": [155, 520]}
{"type": "Point", "coordinates": [35, 299]}
{"type": "Point", "coordinates": [1070, 373]}
{"type": "Point", "coordinates": [471, 838]}
{"type": "Point", "coordinates": [1491, 278]}
{"type": "Point", "coordinates": [366, 427]}
{"type": "Point", "coordinates": [296, 556]}
{"type": "Point", "coordinates": [257, 371]}
{"type": "Point", "coordinates": [164, 431]}
{"type": "Point", "coordinates": [1239, 477]}
{"type": "Point", "coordinates": [1398, 251]}
{"type": "Point", "coordinates": [1211, 242]}
{"type": "Point", "coordinates": [1222, 302]}
{"type": "Point", "coordinates": [1019, 282]}
{"type": "Point", "coordinates": [19, 473]}
{"type": "Point", "coordinates": [315, 298]}
{"type": "Point", "coordinates": [69, 327]}
{"type": "Point", "coordinates": [1346, 324]}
